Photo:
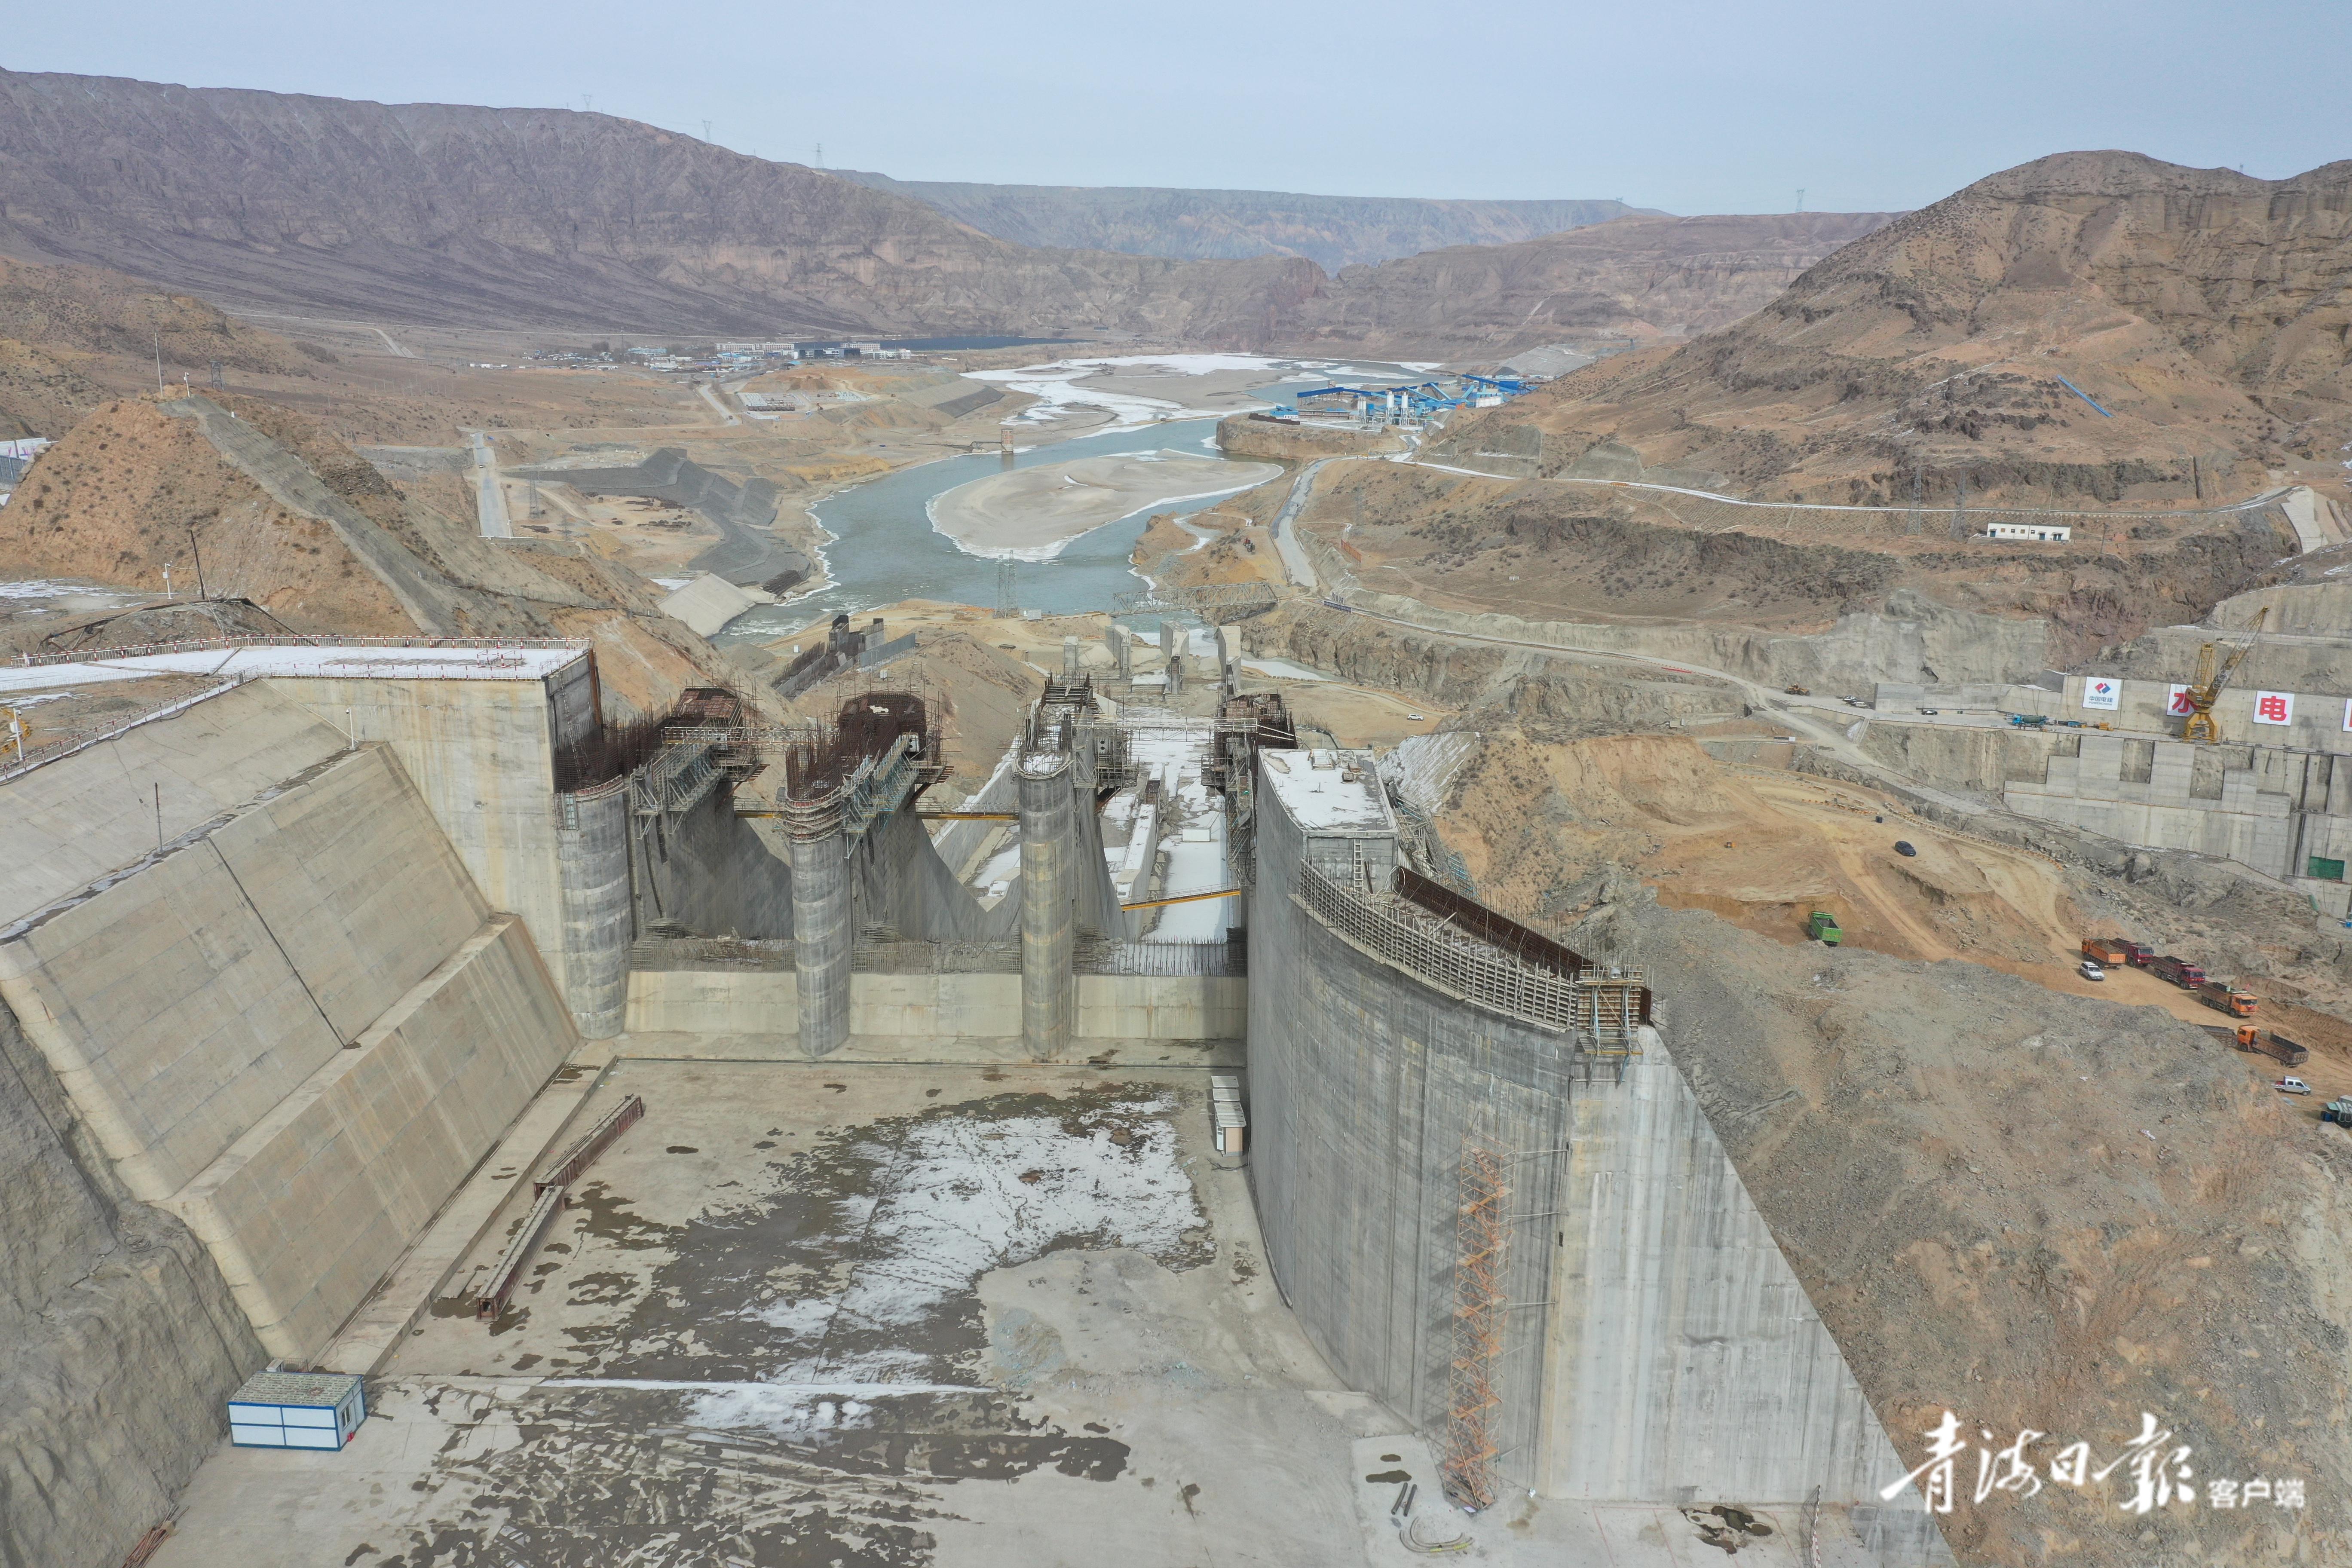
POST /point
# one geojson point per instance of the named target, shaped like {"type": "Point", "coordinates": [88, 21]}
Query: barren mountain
{"type": "Point", "coordinates": [2204, 313]}
{"type": "Point", "coordinates": [73, 336]}
{"type": "Point", "coordinates": [458, 216]}
{"type": "Point", "coordinates": [1146, 220]}
{"type": "Point", "coordinates": [1641, 277]}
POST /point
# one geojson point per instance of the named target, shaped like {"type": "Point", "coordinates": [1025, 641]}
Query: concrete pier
{"type": "Point", "coordinates": [592, 849]}
{"type": "Point", "coordinates": [1049, 905]}
{"type": "Point", "coordinates": [823, 939]}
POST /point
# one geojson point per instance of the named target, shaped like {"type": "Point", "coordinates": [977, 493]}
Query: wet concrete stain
{"type": "Point", "coordinates": [752, 1293]}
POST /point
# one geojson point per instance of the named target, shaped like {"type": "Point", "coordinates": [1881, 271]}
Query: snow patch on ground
{"type": "Point", "coordinates": [972, 1195]}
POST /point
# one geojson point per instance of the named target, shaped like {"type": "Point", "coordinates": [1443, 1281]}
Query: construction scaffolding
{"type": "Point", "coordinates": [1481, 1309]}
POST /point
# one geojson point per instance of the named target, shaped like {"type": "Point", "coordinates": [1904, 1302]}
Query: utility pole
{"type": "Point", "coordinates": [159, 362]}
{"type": "Point", "coordinates": [199, 554]}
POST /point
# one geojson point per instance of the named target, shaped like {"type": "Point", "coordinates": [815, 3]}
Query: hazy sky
{"type": "Point", "coordinates": [1690, 105]}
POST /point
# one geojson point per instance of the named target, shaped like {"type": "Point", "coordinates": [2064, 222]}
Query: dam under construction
{"type": "Point", "coordinates": [704, 1144]}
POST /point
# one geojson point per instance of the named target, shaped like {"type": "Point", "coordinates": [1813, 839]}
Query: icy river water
{"type": "Point", "coordinates": [883, 548]}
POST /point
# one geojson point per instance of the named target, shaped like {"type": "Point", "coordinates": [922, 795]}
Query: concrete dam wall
{"type": "Point", "coordinates": [246, 1064]}
{"type": "Point", "coordinates": [1658, 1346]}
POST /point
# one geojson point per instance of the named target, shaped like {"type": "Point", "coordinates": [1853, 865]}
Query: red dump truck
{"type": "Point", "coordinates": [2139, 955]}
{"type": "Point", "coordinates": [2177, 971]}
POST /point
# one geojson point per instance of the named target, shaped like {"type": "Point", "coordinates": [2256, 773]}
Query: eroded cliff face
{"type": "Point", "coordinates": [451, 215]}
{"type": "Point", "coordinates": [123, 1342]}
{"type": "Point", "coordinates": [2204, 313]}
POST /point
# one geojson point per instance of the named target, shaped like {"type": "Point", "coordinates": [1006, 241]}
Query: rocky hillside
{"type": "Point", "coordinates": [73, 336]}
{"type": "Point", "coordinates": [1641, 277]}
{"type": "Point", "coordinates": [1145, 220]}
{"type": "Point", "coordinates": [288, 518]}
{"type": "Point", "coordinates": [458, 216]}
{"type": "Point", "coordinates": [2202, 311]}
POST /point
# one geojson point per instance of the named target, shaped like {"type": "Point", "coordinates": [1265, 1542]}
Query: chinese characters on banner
{"type": "Point", "coordinates": [2103, 692]}
{"type": "Point", "coordinates": [2273, 707]}
{"type": "Point", "coordinates": [2177, 703]}
{"type": "Point", "coordinates": [2156, 1469]}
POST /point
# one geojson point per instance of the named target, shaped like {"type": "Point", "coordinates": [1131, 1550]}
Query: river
{"type": "Point", "coordinates": [885, 550]}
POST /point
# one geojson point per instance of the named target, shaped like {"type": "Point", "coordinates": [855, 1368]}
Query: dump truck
{"type": "Point", "coordinates": [2139, 954]}
{"type": "Point", "coordinates": [1824, 929]}
{"type": "Point", "coordinates": [2104, 953]}
{"type": "Point", "coordinates": [2225, 997]}
{"type": "Point", "coordinates": [2177, 971]}
{"type": "Point", "coordinates": [2284, 1051]}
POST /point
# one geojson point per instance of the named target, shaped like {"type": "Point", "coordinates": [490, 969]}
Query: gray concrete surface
{"type": "Point", "coordinates": [824, 942]}
{"type": "Point", "coordinates": [808, 1314]}
{"type": "Point", "coordinates": [489, 495]}
{"type": "Point", "coordinates": [1668, 1350]}
{"type": "Point", "coordinates": [1049, 876]}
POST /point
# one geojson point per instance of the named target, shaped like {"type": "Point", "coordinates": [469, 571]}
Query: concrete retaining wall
{"type": "Point", "coordinates": [481, 754]}
{"type": "Point", "coordinates": [317, 1199]}
{"type": "Point", "coordinates": [1675, 1348]}
{"type": "Point", "coordinates": [937, 1006]}
{"type": "Point", "coordinates": [180, 1003]}
{"type": "Point", "coordinates": [1682, 1351]}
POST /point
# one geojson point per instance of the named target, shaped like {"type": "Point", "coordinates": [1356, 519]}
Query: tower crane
{"type": "Point", "coordinates": [2211, 681]}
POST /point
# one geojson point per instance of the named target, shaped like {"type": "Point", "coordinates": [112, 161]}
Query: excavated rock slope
{"type": "Point", "coordinates": [1835, 605]}
{"type": "Point", "coordinates": [2037, 1210]}
{"type": "Point", "coordinates": [287, 516]}
{"type": "Point", "coordinates": [2204, 310]}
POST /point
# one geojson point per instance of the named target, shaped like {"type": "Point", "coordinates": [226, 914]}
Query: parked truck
{"type": "Point", "coordinates": [2339, 1112]}
{"type": "Point", "coordinates": [2139, 954]}
{"type": "Point", "coordinates": [2227, 998]}
{"type": "Point", "coordinates": [2104, 953]}
{"type": "Point", "coordinates": [2177, 971]}
{"type": "Point", "coordinates": [1824, 929]}
{"type": "Point", "coordinates": [2278, 1047]}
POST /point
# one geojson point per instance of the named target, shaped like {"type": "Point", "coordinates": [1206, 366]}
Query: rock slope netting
{"type": "Point", "coordinates": [2201, 314]}
{"type": "Point", "coordinates": [453, 215]}
{"type": "Point", "coordinates": [1145, 220]}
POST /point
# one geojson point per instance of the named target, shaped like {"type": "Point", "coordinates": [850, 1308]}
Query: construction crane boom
{"type": "Point", "coordinates": [2212, 679]}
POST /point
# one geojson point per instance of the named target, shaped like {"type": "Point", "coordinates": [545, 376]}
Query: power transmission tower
{"type": "Point", "coordinates": [1008, 603]}
{"type": "Point", "coordinates": [706, 130]}
{"type": "Point", "coordinates": [1800, 198]}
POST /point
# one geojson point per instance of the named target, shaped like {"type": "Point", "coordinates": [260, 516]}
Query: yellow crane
{"type": "Point", "coordinates": [2211, 681]}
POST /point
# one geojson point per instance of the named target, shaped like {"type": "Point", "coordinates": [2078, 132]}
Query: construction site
{"type": "Point", "coordinates": [1713, 921]}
